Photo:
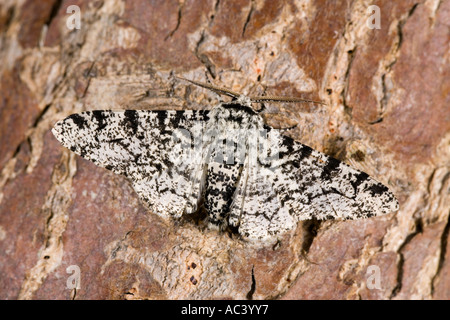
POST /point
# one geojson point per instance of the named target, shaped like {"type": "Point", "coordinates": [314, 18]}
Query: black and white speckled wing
{"type": "Point", "coordinates": [301, 184]}
{"type": "Point", "coordinates": [155, 149]}
{"type": "Point", "coordinates": [257, 210]}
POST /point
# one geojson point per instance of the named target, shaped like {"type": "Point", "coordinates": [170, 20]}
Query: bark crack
{"type": "Point", "coordinates": [54, 12]}
{"type": "Point", "coordinates": [203, 58]}
{"type": "Point", "coordinates": [388, 68]}
{"type": "Point", "coordinates": [401, 262]}
{"type": "Point", "coordinates": [347, 109]}
{"type": "Point", "coordinates": [253, 286]}
{"type": "Point", "coordinates": [443, 245]}
{"type": "Point", "coordinates": [180, 10]}
{"type": "Point", "coordinates": [216, 8]}
{"type": "Point", "coordinates": [249, 15]}
{"type": "Point", "coordinates": [58, 200]}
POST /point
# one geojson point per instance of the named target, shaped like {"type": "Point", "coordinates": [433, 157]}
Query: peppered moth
{"type": "Point", "coordinates": [244, 173]}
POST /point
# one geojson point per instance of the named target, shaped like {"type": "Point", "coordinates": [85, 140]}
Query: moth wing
{"type": "Point", "coordinates": [314, 185]}
{"type": "Point", "coordinates": [159, 151]}
{"type": "Point", "coordinates": [258, 212]}
{"type": "Point", "coordinates": [291, 182]}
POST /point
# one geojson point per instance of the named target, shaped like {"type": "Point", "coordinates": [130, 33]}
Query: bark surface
{"type": "Point", "coordinates": [387, 93]}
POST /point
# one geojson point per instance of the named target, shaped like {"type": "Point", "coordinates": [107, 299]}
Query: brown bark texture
{"type": "Point", "coordinates": [387, 113]}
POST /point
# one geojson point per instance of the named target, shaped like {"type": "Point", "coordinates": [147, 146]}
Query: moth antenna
{"type": "Point", "coordinates": [217, 89]}
{"type": "Point", "coordinates": [282, 99]}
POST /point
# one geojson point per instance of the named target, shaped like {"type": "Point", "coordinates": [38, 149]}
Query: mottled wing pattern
{"type": "Point", "coordinates": [314, 185]}
{"type": "Point", "coordinates": [300, 184]}
{"type": "Point", "coordinates": [261, 215]}
{"type": "Point", "coordinates": [155, 149]}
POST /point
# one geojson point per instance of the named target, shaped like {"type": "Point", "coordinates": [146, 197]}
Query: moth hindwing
{"type": "Point", "coordinates": [246, 173]}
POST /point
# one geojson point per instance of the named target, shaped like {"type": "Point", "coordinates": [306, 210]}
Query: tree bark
{"type": "Point", "coordinates": [386, 92]}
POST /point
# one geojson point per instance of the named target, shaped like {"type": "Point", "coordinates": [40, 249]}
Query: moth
{"type": "Point", "coordinates": [245, 174]}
